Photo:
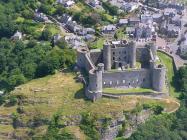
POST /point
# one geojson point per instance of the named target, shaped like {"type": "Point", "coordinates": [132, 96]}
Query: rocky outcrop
{"type": "Point", "coordinates": [125, 125]}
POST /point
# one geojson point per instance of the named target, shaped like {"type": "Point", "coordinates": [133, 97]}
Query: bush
{"type": "Point", "coordinates": [2, 100]}
{"type": "Point", "coordinates": [12, 101]}
{"type": "Point", "coordinates": [46, 35]}
{"type": "Point", "coordinates": [20, 110]}
{"type": "Point", "coordinates": [158, 109]}
{"type": "Point", "coordinates": [15, 120]}
{"type": "Point", "coordinates": [88, 125]}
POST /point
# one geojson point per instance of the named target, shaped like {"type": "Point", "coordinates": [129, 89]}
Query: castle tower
{"type": "Point", "coordinates": [81, 53]}
{"type": "Point", "coordinates": [153, 49]}
{"type": "Point", "coordinates": [107, 56]}
{"type": "Point", "coordinates": [95, 83]}
{"type": "Point", "coordinates": [158, 78]}
{"type": "Point", "coordinates": [132, 54]}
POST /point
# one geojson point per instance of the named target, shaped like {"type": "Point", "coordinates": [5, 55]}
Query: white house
{"type": "Point", "coordinates": [130, 6]}
{"type": "Point", "coordinates": [69, 3]}
{"type": "Point", "coordinates": [17, 36]}
{"type": "Point", "coordinates": [109, 29]}
{"type": "Point", "coordinates": [66, 3]}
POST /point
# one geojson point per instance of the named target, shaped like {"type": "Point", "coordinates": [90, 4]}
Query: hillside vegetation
{"type": "Point", "coordinates": [39, 100]}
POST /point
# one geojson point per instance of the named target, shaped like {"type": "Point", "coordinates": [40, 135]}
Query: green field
{"type": "Point", "coordinates": [98, 44]}
{"type": "Point", "coordinates": [121, 91]}
{"type": "Point", "coordinates": [168, 62]}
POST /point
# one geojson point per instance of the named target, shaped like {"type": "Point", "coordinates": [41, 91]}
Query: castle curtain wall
{"type": "Point", "coordinates": [128, 79]}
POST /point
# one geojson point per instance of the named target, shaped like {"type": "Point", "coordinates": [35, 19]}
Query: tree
{"type": "Point", "coordinates": [46, 35]}
{"type": "Point", "coordinates": [62, 43]}
{"type": "Point", "coordinates": [2, 100]}
{"type": "Point", "coordinates": [15, 80]}
{"type": "Point", "coordinates": [29, 70]}
{"type": "Point", "coordinates": [28, 14]}
{"type": "Point", "coordinates": [7, 26]}
{"type": "Point", "coordinates": [113, 10]}
{"type": "Point", "coordinates": [32, 43]}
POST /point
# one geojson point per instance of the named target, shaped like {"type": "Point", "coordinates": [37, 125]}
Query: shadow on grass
{"type": "Point", "coordinates": [81, 95]}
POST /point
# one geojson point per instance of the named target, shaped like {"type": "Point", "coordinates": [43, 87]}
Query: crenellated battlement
{"type": "Point", "coordinates": [115, 67]}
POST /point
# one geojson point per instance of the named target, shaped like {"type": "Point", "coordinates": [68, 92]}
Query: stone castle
{"type": "Point", "coordinates": [115, 66]}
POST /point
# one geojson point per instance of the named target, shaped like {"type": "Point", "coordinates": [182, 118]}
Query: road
{"type": "Point", "coordinates": [174, 45]}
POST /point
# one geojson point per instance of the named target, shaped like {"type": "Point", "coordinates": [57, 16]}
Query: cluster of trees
{"type": "Point", "coordinates": [24, 60]}
{"type": "Point", "coordinates": [113, 10]}
{"type": "Point", "coordinates": [10, 10]}
{"type": "Point", "coordinates": [55, 131]}
{"type": "Point", "coordinates": [21, 62]}
{"type": "Point", "coordinates": [167, 126]}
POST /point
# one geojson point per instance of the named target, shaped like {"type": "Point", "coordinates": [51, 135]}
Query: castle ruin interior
{"type": "Point", "coordinates": [121, 64]}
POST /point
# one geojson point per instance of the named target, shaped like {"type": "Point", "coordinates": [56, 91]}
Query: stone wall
{"type": "Point", "coordinates": [127, 79]}
{"type": "Point", "coordinates": [84, 61]}
{"type": "Point", "coordinates": [119, 54]}
{"type": "Point", "coordinates": [143, 56]}
{"type": "Point", "coordinates": [97, 57]}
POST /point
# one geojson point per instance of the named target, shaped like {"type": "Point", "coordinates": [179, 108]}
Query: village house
{"type": "Point", "coordinates": [74, 41]}
{"type": "Point", "coordinates": [130, 31]}
{"type": "Point", "coordinates": [157, 17]}
{"type": "Point", "coordinates": [117, 3]}
{"type": "Point", "coordinates": [162, 5]}
{"type": "Point", "coordinates": [175, 5]}
{"type": "Point", "coordinates": [172, 30]}
{"type": "Point", "coordinates": [169, 12]}
{"type": "Point", "coordinates": [1, 92]}
{"type": "Point", "coordinates": [17, 36]}
{"type": "Point", "coordinates": [56, 38]}
{"type": "Point", "coordinates": [109, 29]}
{"type": "Point", "coordinates": [146, 18]}
{"type": "Point", "coordinates": [89, 37]}
{"type": "Point", "coordinates": [41, 17]}
{"type": "Point", "coordinates": [66, 3]}
{"type": "Point", "coordinates": [122, 22]}
{"type": "Point", "coordinates": [143, 33]}
{"type": "Point", "coordinates": [130, 6]}
{"type": "Point", "coordinates": [134, 21]}
{"type": "Point", "coordinates": [176, 20]}
{"type": "Point", "coordinates": [65, 18]}
{"type": "Point", "coordinates": [94, 3]}
{"type": "Point", "coordinates": [73, 27]}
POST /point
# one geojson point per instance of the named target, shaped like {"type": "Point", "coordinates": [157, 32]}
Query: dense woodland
{"type": "Point", "coordinates": [34, 57]}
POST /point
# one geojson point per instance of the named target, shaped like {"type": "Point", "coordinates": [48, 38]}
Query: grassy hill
{"type": "Point", "coordinates": [40, 99]}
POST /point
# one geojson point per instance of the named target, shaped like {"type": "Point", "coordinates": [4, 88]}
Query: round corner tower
{"type": "Point", "coordinates": [158, 78]}
{"type": "Point", "coordinates": [107, 56]}
{"type": "Point", "coordinates": [95, 82]}
{"type": "Point", "coordinates": [132, 54]}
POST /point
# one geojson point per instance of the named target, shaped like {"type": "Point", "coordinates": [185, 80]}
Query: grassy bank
{"type": "Point", "coordinates": [168, 62]}
{"type": "Point", "coordinates": [62, 94]}
{"type": "Point", "coordinates": [119, 91]}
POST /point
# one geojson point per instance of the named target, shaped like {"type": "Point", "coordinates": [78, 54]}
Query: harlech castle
{"type": "Point", "coordinates": [121, 64]}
